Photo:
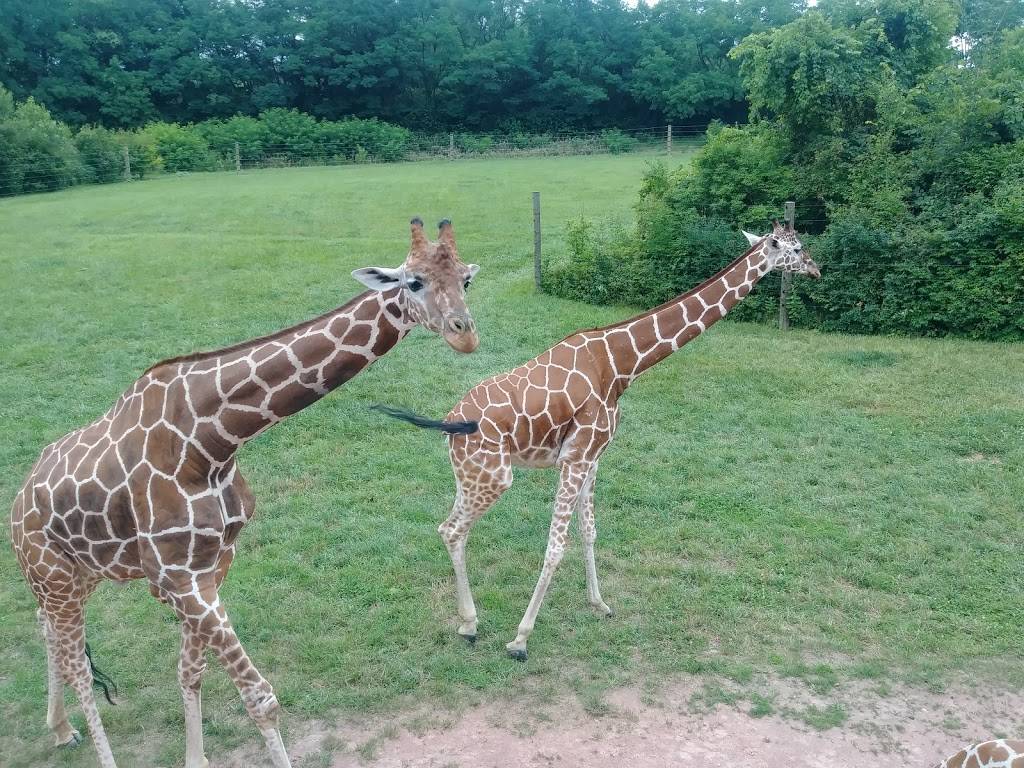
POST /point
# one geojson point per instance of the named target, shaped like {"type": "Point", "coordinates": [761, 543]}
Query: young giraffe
{"type": "Point", "coordinates": [151, 489]}
{"type": "Point", "coordinates": [561, 409]}
{"type": "Point", "coordinates": [1001, 753]}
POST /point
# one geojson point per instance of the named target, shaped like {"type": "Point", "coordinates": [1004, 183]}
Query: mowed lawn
{"type": "Point", "coordinates": [823, 507]}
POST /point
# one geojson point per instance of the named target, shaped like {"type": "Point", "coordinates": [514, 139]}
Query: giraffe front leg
{"type": "Point", "coordinates": [191, 665]}
{"type": "Point", "coordinates": [588, 532]}
{"type": "Point", "coordinates": [209, 621]}
{"type": "Point", "coordinates": [573, 477]}
{"type": "Point", "coordinates": [56, 716]}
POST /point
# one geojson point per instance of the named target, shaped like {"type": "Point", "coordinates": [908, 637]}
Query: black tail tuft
{"type": "Point", "coordinates": [101, 680]}
{"type": "Point", "coordinates": [448, 427]}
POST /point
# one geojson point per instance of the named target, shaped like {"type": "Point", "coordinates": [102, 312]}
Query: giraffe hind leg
{"type": "Point", "coordinates": [478, 491]}
{"type": "Point", "coordinates": [64, 614]}
{"type": "Point", "coordinates": [56, 715]}
{"type": "Point", "coordinates": [571, 482]}
{"type": "Point", "coordinates": [588, 533]}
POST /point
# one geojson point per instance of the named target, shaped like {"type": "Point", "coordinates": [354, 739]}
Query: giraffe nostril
{"type": "Point", "coordinates": [457, 324]}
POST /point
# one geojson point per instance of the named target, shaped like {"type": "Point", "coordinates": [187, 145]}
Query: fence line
{"type": "Point", "coordinates": [26, 173]}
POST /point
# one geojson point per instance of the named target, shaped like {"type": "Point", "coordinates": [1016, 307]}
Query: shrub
{"type": "Point", "coordinates": [250, 134]}
{"type": "Point", "coordinates": [142, 153]}
{"type": "Point", "coordinates": [292, 133]}
{"type": "Point", "coordinates": [37, 153]}
{"type": "Point", "coordinates": [379, 141]}
{"type": "Point", "coordinates": [102, 155]}
{"type": "Point", "coordinates": [178, 148]}
{"type": "Point", "coordinates": [617, 142]}
{"type": "Point", "coordinates": [602, 266]}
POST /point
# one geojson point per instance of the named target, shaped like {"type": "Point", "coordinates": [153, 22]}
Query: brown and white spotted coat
{"type": "Point", "coordinates": [1001, 753]}
{"type": "Point", "coordinates": [561, 409]}
{"type": "Point", "coordinates": [152, 490]}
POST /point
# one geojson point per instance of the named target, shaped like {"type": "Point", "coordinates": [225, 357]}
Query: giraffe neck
{"type": "Point", "coordinates": [636, 345]}
{"type": "Point", "coordinates": [230, 396]}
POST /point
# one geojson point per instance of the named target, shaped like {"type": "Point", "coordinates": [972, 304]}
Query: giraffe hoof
{"type": "Point", "coordinates": [471, 639]}
{"type": "Point", "coordinates": [72, 742]}
{"type": "Point", "coordinates": [519, 654]}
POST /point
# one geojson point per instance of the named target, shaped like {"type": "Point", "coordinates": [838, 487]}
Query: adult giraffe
{"type": "Point", "coordinates": [151, 489]}
{"type": "Point", "coordinates": [561, 409]}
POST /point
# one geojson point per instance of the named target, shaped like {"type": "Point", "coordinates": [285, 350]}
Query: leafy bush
{"type": "Point", "coordinates": [379, 141]}
{"type": "Point", "coordinates": [603, 266]}
{"type": "Point", "coordinates": [250, 134]}
{"type": "Point", "coordinates": [292, 133]}
{"type": "Point", "coordinates": [37, 153]}
{"type": "Point", "coordinates": [178, 148]}
{"type": "Point", "coordinates": [617, 142]}
{"type": "Point", "coordinates": [143, 154]}
{"type": "Point", "coordinates": [102, 155]}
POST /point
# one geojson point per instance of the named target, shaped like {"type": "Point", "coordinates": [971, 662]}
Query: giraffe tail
{"type": "Point", "coordinates": [448, 427]}
{"type": "Point", "coordinates": [100, 679]}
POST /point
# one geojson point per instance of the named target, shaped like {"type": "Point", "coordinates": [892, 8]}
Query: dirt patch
{"type": "Point", "coordinates": [763, 725]}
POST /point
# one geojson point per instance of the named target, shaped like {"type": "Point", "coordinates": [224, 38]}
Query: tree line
{"type": "Point", "coordinates": [903, 146]}
{"type": "Point", "coordinates": [423, 64]}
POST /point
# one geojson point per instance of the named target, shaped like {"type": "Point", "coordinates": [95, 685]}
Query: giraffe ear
{"type": "Point", "coordinates": [752, 239]}
{"type": "Point", "coordinates": [380, 278]}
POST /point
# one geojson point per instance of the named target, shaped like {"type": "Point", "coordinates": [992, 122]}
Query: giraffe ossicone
{"type": "Point", "coordinates": [561, 409]}
{"type": "Point", "coordinates": [152, 490]}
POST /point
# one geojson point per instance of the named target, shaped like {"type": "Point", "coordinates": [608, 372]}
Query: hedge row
{"type": "Point", "coordinates": [38, 153]}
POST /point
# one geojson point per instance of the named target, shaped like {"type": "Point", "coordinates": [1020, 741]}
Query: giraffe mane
{"type": "Point", "coordinates": [674, 300]}
{"type": "Point", "coordinates": [193, 357]}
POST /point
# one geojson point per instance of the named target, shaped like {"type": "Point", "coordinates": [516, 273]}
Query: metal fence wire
{"type": "Point", "coordinates": [29, 173]}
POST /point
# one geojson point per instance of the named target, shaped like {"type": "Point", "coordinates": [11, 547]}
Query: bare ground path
{"type": "Point", "coordinates": [677, 727]}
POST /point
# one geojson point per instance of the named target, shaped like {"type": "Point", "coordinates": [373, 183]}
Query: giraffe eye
{"type": "Point", "coordinates": [465, 285]}
{"type": "Point", "coordinates": [415, 284]}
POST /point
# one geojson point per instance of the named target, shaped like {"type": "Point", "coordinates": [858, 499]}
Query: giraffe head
{"type": "Point", "coordinates": [433, 281]}
{"type": "Point", "coordinates": [784, 251]}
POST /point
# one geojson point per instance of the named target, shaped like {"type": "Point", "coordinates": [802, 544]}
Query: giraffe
{"type": "Point", "coordinates": [152, 490]}
{"type": "Point", "coordinates": [561, 409]}
{"type": "Point", "coordinates": [1000, 753]}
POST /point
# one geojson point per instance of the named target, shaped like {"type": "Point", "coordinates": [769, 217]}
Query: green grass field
{"type": "Point", "coordinates": [823, 507]}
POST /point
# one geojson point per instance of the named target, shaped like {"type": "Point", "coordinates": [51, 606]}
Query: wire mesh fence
{"type": "Point", "coordinates": [22, 173]}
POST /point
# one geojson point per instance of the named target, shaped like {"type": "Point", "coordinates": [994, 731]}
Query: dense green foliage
{"type": "Point", "coordinates": [427, 64]}
{"type": "Point", "coordinates": [906, 162]}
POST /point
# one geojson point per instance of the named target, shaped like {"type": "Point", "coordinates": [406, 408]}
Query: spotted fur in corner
{"type": "Point", "coordinates": [1001, 753]}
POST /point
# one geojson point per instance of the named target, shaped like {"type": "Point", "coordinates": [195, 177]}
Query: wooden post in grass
{"type": "Point", "coordinates": [536, 239]}
{"type": "Point", "coordinates": [784, 289]}
{"type": "Point", "coordinates": [127, 164]}
{"type": "Point", "coordinates": [238, 159]}
{"type": "Point", "coordinates": [451, 146]}
{"type": "Point", "coordinates": [668, 140]}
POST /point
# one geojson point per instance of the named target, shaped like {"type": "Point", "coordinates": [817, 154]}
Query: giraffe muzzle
{"type": "Point", "coordinates": [460, 332]}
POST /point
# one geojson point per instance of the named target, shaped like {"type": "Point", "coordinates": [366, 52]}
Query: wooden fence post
{"type": "Point", "coordinates": [238, 159]}
{"type": "Point", "coordinates": [786, 277]}
{"type": "Point", "coordinates": [536, 239]}
{"type": "Point", "coordinates": [668, 140]}
{"type": "Point", "coordinates": [127, 164]}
